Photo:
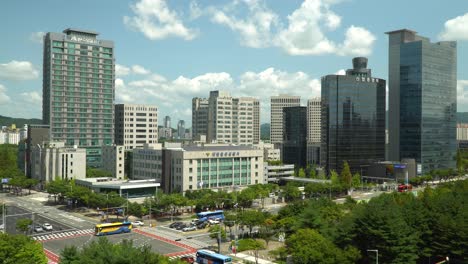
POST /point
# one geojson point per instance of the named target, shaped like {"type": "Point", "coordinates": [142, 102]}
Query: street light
{"type": "Point", "coordinates": [376, 254]}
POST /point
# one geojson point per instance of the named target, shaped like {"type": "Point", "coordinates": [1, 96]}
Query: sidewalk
{"type": "Point", "coordinates": [251, 258]}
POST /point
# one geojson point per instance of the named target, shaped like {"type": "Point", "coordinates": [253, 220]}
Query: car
{"type": "Point", "coordinates": [181, 226]}
{"type": "Point", "coordinates": [138, 223]}
{"type": "Point", "coordinates": [188, 259]}
{"type": "Point", "coordinates": [213, 221]}
{"type": "Point", "coordinates": [202, 225]}
{"type": "Point", "coordinates": [195, 221]}
{"type": "Point", "coordinates": [38, 228]}
{"type": "Point", "coordinates": [189, 228]}
{"type": "Point", "coordinates": [47, 227]}
{"type": "Point", "coordinates": [175, 224]}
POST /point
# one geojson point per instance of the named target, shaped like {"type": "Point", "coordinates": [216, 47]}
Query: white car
{"type": "Point", "coordinates": [47, 227]}
{"type": "Point", "coordinates": [213, 221]}
{"type": "Point", "coordinates": [189, 228]}
{"type": "Point", "coordinates": [138, 223]}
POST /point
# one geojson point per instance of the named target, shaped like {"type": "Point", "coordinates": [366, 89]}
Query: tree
{"type": "Point", "coordinates": [23, 224]}
{"type": "Point", "coordinates": [308, 246]}
{"type": "Point", "coordinates": [291, 192]}
{"type": "Point", "coordinates": [267, 230]}
{"type": "Point", "coordinates": [312, 172]}
{"type": "Point", "coordinates": [356, 181]}
{"type": "Point", "coordinates": [246, 197]}
{"type": "Point", "coordinates": [102, 251]}
{"type": "Point", "coordinates": [251, 218]}
{"type": "Point", "coordinates": [58, 188]}
{"type": "Point", "coordinates": [20, 249]}
{"type": "Point", "coordinates": [346, 176]}
{"type": "Point", "coordinates": [29, 183]}
{"type": "Point", "coordinates": [251, 244]}
{"type": "Point", "coordinates": [301, 173]}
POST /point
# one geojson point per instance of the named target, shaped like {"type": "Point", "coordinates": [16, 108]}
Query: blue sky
{"type": "Point", "coordinates": [170, 51]}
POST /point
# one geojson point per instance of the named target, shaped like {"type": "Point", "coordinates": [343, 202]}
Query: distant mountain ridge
{"type": "Point", "coordinates": [19, 122]}
{"type": "Point", "coordinates": [265, 131]}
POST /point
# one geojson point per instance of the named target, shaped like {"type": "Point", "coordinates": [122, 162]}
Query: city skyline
{"type": "Point", "coordinates": [188, 51]}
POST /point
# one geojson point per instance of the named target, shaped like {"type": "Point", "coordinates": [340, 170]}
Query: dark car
{"type": "Point", "coordinates": [202, 225]}
{"type": "Point", "coordinates": [188, 259]}
{"type": "Point", "coordinates": [181, 226]}
{"type": "Point", "coordinates": [175, 224]}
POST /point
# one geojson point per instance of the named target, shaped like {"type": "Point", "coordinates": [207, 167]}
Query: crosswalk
{"type": "Point", "coordinates": [193, 255]}
{"type": "Point", "coordinates": [64, 234]}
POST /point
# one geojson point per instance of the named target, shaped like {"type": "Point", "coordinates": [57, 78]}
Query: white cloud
{"type": "Point", "coordinates": [305, 33]}
{"type": "Point", "coordinates": [170, 95]}
{"type": "Point", "coordinates": [359, 41]}
{"type": "Point", "coordinates": [121, 70]}
{"type": "Point", "coordinates": [462, 95]}
{"type": "Point", "coordinates": [255, 29]}
{"type": "Point", "coordinates": [455, 29]}
{"type": "Point", "coordinates": [137, 69]}
{"type": "Point", "coordinates": [18, 71]}
{"type": "Point", "coordinates": [156, 21]}
{"type": "Point", "coordinates": [341, 72]}
{"type": "Point", "coordinates": [195, 10]}
{"type": "Point", "coordinates": [37, 37]}
{"type": "Point", "coordinates": [32, 97]}
{"type": "Point", "coordinates": [4, 98]}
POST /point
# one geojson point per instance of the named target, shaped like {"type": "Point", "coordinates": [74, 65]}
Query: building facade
{"type": "Point", "coordinates": [9, 137]}
{"type": "Point", "coordinates": [135, 125]}
{"type": "Point", "coordinates": [199, 117]}
{"type": "Point", "coordinates": [353, 118]}
{"type": "Point", "coordinates": [147, 163]}
{"type": "Point", "coordinates": [277, 104]}
{"type": "Point", "coordinates": [212, 167]}
{"type": "Point", "coordinates": [270, 153]}
{"type": "Point", "coordinates": [79, 90]}
{"type": "Point", "coordinates": [113, 160]}
{"type": "Point", "coordinates": [181, 129]}
{"type": "Point", "coordinates": [167, 122]}
{"type": "Point", "coordinates": [422, 100]}
{"type": "Point", "coordinates": [295, 136]}
{"type": "Point", "coordinates": [54, 159]}
{"type": "Point", "coordinates": [37, 134]}
{"type": "Point", "coordinates": [313, 130]}
{"type": "Point", "coordinates": [232, 120]}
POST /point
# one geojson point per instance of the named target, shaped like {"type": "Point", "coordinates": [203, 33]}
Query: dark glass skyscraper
{"type": "Point", "coordinates": [353, 118]}
{"type": "Point", "coordinates": [295, 136]}
{"type": "Point", "coordinates": [422, 100]}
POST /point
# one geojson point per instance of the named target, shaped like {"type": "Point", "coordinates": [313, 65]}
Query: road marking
{"type": "Point", "coordinates": [63, 235]}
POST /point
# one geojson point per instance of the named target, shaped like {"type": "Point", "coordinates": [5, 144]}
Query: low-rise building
{"type": "Point", "coordinates": [52, 159]}
{"type": "Point", "coordinates": [113, 160]}
{"type": "Point", "coordinates": [273, 173]}
{"type": "Point", "coordinates": [9, 137]}
{"type": "Point", "coordinates": [125, 188]}
{"type": "Point", "coordinates": [269, 151]}
{"type": "Point", "coordinates": [147, 162]}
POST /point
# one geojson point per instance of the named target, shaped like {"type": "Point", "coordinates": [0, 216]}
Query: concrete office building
{"type": "Point", "coordinates": [212, 166]}
{"type": "Point", "coordinates": [273, 173]}
{"type": "Point", "coordinates": [113, 160]}
{"type": "Point", "coordinates": [277, 104]}
{"type": "Point", "coordinates": [199, 117]}
{"type": "Point", "coordinates": [295, 136]}
{"type": "Point", "coordinates": [270, 153]}
{"type": "Point", "coordinates": [313, 130]}
{"type": "Point", "coordinates": [79, 90]}
{"type": "Point", "coordinates": [147, 162]}
{"type": "Point", "coordinates": [9, 137]}
{"type": "Point", "coordinates": [54, 159]}
{"type": "Point", "coordinates": [37, 134]}
{"type": "Point", "coordinates": [353, 118]}
{"type": "Point", "coordinates": [135, 125]}
{"type": "Point", "coordinates": [422, 100]}
{"type": "Point", "coordinates": [232, 120]}
{"type": "Point", "coordinates": [125, 188]}
{"type": "Point", "coordinates": [165, 133]}
{"type": "Point", "coordinates": [462, 132]}
{"type": "Point", "coordinates": [181, 129]}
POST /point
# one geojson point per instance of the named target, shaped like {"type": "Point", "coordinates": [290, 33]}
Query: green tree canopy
{"type": "Point", "coordinates": [20, 249]}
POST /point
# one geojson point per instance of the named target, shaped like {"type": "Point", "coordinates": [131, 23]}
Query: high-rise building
{"type": "Point", "coordinates": [276, 115]}
{"type": "Point", "coordinates": [313, 130]}
{"type": "Point", "coordinates": [167, 122]}
{"type": "Point", "coordinates": [135, 125]}
{"type": "Point", "coordinates": [79, 90]}
{"type": "Point", "coordinates": [353, 118]}
{"type": "Point", "coordinates": [422, 100]}
{"type": "Point", "coordinates": [295, 136]}
{"type": "Point", "coordinates": [231, 120]}
{"type": "Point", "coordinates": [199, 117]}
{"type": "Point", "coordinates": [181, 129]}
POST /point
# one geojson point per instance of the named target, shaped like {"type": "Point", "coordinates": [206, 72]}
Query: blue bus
{"type": "Point", "coordinates": [209, 257]}
{"type": "Point", "coordinates": [112, 228]}
{"type": "Point", "coordinates": [204, 216]}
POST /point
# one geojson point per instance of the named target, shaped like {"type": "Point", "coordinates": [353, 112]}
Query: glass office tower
{"type": "Point", "coordinates": [422, 100]}
{"type": "Point", "coordinates": [353, 118]}
{"type": "Point", "coordinates": [79, 91]}
{"type": "Point", "coordinates": [295, 136]}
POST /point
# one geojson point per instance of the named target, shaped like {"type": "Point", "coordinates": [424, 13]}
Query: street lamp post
{"type": "Point", "coordinates": [376, 254]}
